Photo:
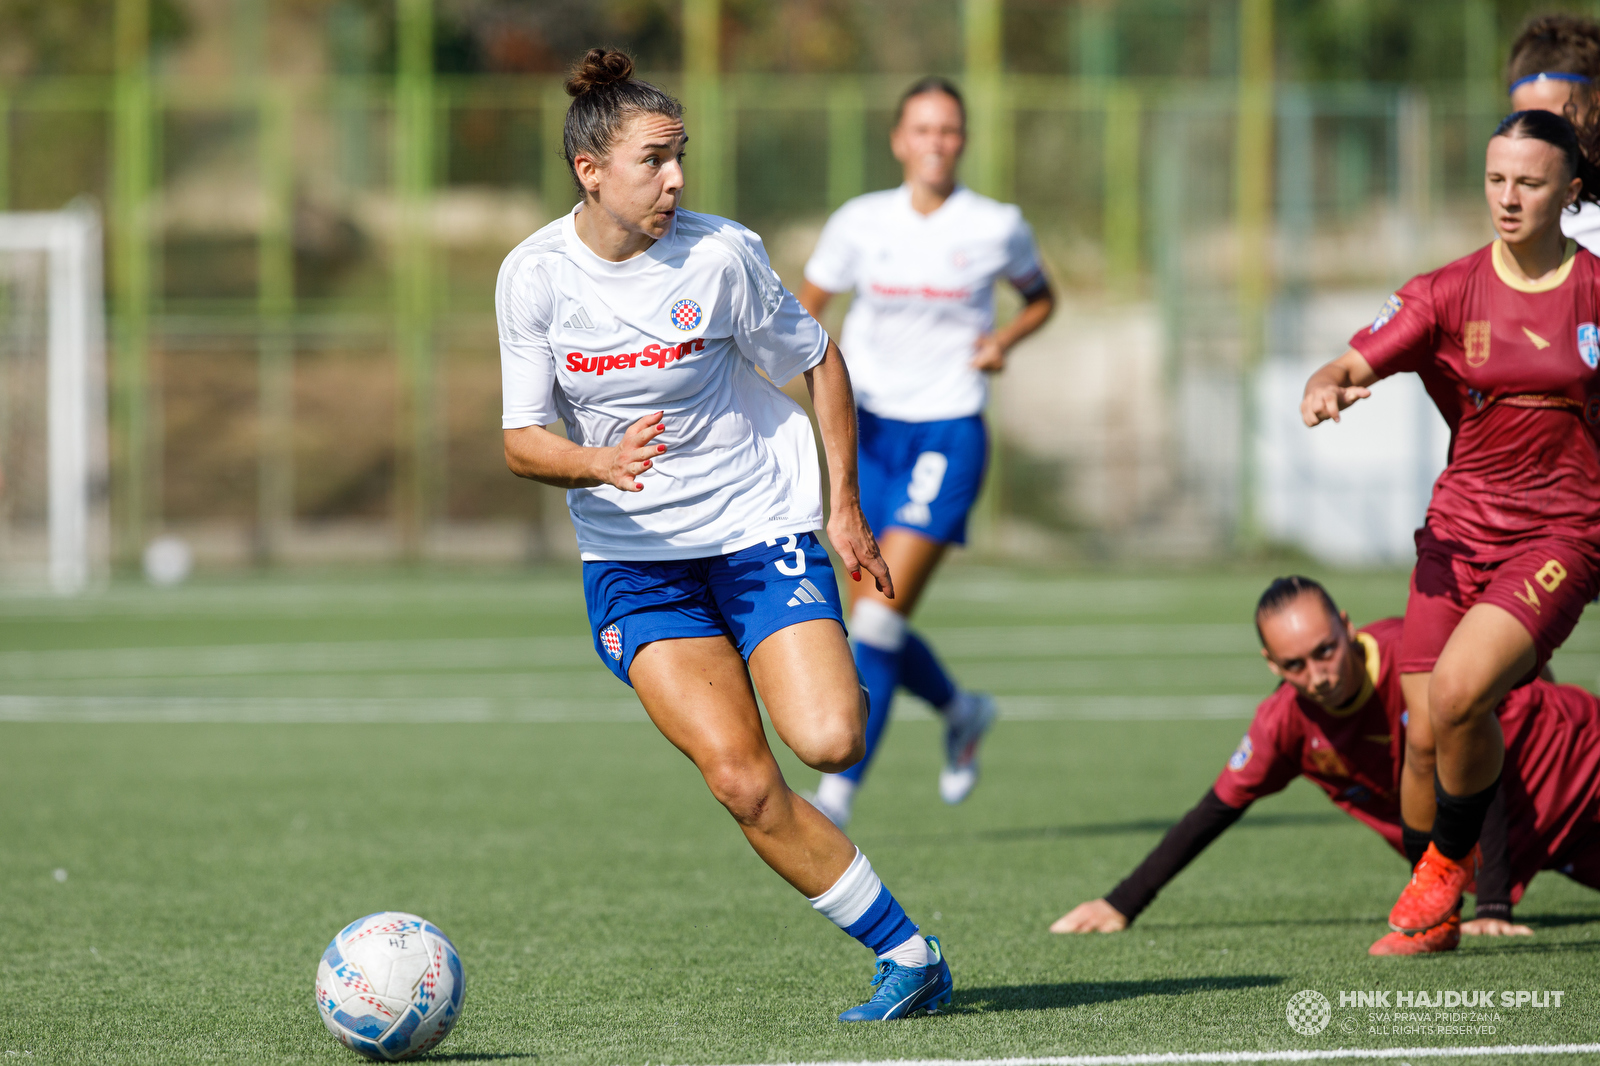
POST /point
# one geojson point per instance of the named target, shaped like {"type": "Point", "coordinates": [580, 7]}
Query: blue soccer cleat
{"type": "Point", "coordinates": [905, 990]}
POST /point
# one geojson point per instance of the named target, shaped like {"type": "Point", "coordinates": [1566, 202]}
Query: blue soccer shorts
{"type": "Point", "coordinates": [922, 476]}
{"type": "Point", "coordinates": [746, 596]}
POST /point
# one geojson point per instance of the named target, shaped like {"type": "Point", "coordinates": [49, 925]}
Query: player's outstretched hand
{"type": "Point", "coordinates": [1323, 402]}
{"type": "Point", "coordinates": [622, 465]}
{"type": "Point", "coordinates": [858, 549]}
{"type": "Point", "coordinates": [1494, 927]}
{"type": "Point", "coordinates": [988, 355]}
{"type": "Point", "coordinates": [1095, 916]}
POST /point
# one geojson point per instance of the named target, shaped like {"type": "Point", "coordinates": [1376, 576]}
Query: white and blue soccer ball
{"type": "Point", "coordinates": [390, 986]}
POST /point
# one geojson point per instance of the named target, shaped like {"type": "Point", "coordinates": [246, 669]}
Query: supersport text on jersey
{"type": "Point", "coordinates": [924, 288]}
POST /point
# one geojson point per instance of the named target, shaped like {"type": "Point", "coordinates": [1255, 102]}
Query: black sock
{"type": "Point", "coordinates": [1459, 821]}
{"type": "Point", "coordinates": [1415, 841]}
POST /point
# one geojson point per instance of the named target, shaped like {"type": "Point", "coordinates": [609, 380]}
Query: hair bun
{"type": "Point", "coordinates": [599, 68]}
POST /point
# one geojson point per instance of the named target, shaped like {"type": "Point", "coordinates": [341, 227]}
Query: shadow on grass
{"type": "Point", "coordinates": [1556, 921]}
{"type": "Point", "coordinates": [1255, 923]}
{"type": "Point", "coordinates": [1083, 993]}
{"type": "Point", "coordinates": [1109, 829]}
{"type": "Point", "coordinates": [485, 1056]}
{"type": "Point", "coordinates": [1154, 825]}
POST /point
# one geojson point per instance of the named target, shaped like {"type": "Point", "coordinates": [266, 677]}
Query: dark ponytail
{"type": "Point", "coordinates": [605, 94]}
{"type": "Point", "coordinates": [1553, 129]}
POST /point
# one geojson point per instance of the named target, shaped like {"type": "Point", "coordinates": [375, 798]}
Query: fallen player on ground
{"type": "Point", "coordinates": [1338, 720]}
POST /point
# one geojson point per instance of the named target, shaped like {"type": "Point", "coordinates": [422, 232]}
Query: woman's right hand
{"type": "Point", "coordinates": [1095, 916]}
{"type": "Point", "coordinates": [1324, 400]}
{"type": "Point", "coordinates": [1335, 387]}
{"type": "Point", "coordinates": [622, 465]}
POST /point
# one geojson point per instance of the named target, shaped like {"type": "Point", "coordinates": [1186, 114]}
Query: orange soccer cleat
{"type": "Point", "coordinates": [1446, 936]}
{"type": "Point", "coordinates": [1433, 892]}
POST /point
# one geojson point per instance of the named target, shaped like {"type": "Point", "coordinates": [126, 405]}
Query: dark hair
{"type": "Point", "coordinates": [1553, 129]}
{"type": "Point", "coordinates": [1555, 44]}
{"type": "Point", "coordinates": [605, 94]}
{"type": "Point", "coordinates": [1284, 591]}
{"type": "Point", "coordinates": [931, 84]}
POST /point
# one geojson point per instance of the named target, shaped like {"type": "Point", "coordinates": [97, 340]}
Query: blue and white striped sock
{"type": "Point", "coordinates": [859, 904]}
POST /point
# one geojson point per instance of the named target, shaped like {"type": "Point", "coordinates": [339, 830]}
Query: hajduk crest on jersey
{"type": "Point", "coordinates": [686, 315]}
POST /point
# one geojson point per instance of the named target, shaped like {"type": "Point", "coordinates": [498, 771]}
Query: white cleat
{"type": "Point", "coordinates": [968, 719]}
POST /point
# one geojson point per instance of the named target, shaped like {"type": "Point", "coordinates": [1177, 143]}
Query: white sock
{"type": "Point", "coordinates": [914, 952]}
{"type": "Point", "coordinates": [836, 793]}
{"type": "Point", "coordinates": [878, 626]}
{"type": "Point", "coordinates": [851, 895]}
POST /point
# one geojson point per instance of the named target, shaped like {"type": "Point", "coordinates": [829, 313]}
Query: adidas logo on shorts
{"type": "Point", "coordinates": [806, 592]}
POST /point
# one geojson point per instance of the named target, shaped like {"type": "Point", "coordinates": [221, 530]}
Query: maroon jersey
{"type": "Point", "coordinates": [1552, 769]}
{"type": "Point", "coordinates": [1515, 370]}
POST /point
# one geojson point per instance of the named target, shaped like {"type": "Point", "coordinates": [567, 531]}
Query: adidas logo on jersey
{"type": "Point", "coordinates": [806, 592]}
{"type": "Point", "coordinates": [580, 320]}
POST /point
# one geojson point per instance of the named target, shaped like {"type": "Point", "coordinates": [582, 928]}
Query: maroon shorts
{"type": "Point", "coordinates": [1545, 587]}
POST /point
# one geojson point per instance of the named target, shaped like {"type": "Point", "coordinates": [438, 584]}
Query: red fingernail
{"type": "Point", "coordinates": [661, 447]}
{"type": "Point", "coordinates": [855, 575]}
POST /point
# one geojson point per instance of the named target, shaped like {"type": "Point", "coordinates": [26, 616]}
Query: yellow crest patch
{"type": "Point", "coordinates": [1476, 341]}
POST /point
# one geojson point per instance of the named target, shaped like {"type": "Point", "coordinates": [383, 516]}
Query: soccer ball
{"type": "Point", "coordinates": [390, 986]}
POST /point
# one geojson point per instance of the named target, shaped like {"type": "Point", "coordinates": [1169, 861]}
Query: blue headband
{"type": "Point", "coordinates": [1550, 75]}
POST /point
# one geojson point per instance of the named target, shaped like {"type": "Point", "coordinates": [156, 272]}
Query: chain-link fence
{"type": "Point", "coordinates": [302, 280]}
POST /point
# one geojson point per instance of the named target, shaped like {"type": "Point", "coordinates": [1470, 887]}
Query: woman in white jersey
{"type": "Point", "coordinates": [1554, 64]}
{"type": "Point", "coordinates": [695, 492]}
{"type": "Point", "coordinates": [922, 261]}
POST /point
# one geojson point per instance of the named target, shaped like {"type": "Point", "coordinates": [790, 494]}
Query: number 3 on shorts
{"type": "Point", "coordinates": [791, 543]}
{"type": "Point", "coordinates": [1549, 577]}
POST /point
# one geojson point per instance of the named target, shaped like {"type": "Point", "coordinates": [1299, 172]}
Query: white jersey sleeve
{"type": "Point", "coordinates": [832, 263]}
{"type": "Point", "coordinates": [1022, 267]}
{"type": "Point", "coordinates": [1583, 225]}
{"type": "Point", "coordinates": [773, 331]}
{"type": "Point", "coordinates": [524, 308]}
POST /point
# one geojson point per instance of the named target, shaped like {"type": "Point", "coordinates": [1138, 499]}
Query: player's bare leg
{"type": "Point", "coordinates": [912, 559]}
{"type": "Point", "coordinates": [886, 647]}
{"type": "Point", "coordinates": [697, 691]}
{"type": "Point", "coordinates": [1416, 773]}
{"type": "Point", "coordinates": [1488, 653]}
{"type": "Point", "coordinates": [807, 679]}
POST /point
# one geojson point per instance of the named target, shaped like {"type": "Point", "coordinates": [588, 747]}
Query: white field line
{"type": "Point", "coordinates": [250, 709]}
{"type": "Point", "coordinates": [1310, 1055]}
{"type": "Point", "coordinates": [310, 709]}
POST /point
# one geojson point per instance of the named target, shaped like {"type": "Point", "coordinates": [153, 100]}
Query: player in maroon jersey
{"type": "Point", "coordinates": [1506, 343]}
{"type": "Point", "coordinates": [1337, 721]}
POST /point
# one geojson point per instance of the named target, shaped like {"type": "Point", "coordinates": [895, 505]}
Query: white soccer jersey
{"type": "Point", "coordinates": [1583, 225]}
{"type": "Point", "coordinates": [924, 294]}
{"type": "Point", "coordinates": [680, 328]}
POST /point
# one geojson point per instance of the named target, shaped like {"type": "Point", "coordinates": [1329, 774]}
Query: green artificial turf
{"type": "Point", "coordinates": [231, 771]}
